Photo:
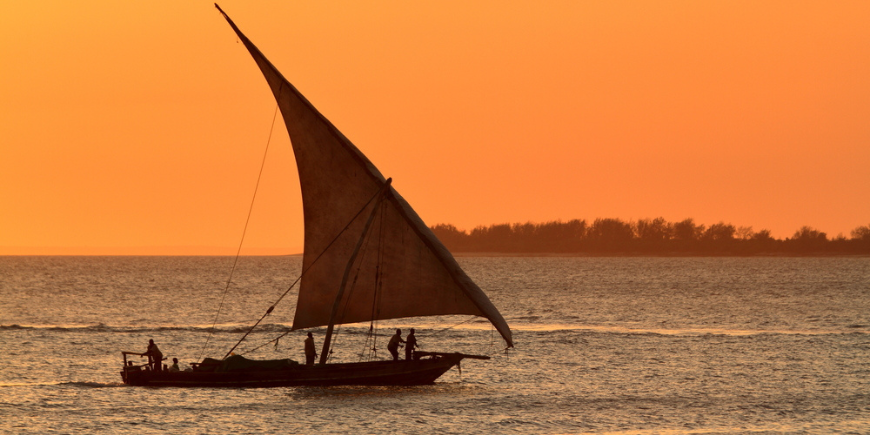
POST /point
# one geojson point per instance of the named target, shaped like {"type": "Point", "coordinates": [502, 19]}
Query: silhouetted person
{"type": "Point", "coordinates": [393, 346]}
{"type": "Point", "coordinates": [174, 367]}
{"type": "Point", "coordinates": [310, 352]}
{"type": "Point", "coordinates": [410, 344]}
{"type": "Point", "coordinates": [155, 357]}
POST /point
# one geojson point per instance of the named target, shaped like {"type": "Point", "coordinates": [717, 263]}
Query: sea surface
{"type": "Point", "coordinates": [603, 346]}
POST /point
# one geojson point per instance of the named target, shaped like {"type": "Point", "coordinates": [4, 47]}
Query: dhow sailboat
{"type": "Point", "coordinates": [347, 205]}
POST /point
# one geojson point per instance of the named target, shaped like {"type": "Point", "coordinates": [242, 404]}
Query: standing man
{"type": "Point", "coordinates": [410, 344]}
{"type": "Point", "coordinates": [155, 357]}
{"type": "Point", "coordinates": [310, 352]}
{"type": "Point", "coordinates": [393, 346]}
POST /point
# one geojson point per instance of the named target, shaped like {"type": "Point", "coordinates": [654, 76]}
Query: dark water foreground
{"type": "Point", "coordinates": [604, 345]}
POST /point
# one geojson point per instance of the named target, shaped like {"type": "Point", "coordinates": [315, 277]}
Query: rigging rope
{"type": "Point", "coordinates": [377, 293]}
{"type": "Point", "coordinates": [244, 231]}
{"type": "Point", "coordinates": [453, 326]}
{"type": "Point", "coordinates": [268, 342]}
{"type": "Point", "coordinates": [362, 256]}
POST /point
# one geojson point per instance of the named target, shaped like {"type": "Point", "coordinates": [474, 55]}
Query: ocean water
{"type": "Point", "coordinates": [603, 346]}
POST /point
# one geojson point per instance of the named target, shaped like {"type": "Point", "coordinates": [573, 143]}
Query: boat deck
{"type": "Point", "coordinates": [417, 372]}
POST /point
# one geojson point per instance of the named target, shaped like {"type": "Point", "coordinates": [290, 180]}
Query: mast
{"type": "Point", "coordinates": [335, 307]}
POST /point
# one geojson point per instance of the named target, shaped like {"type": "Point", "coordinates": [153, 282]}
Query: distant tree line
{"type": "Point", "coordinates": [647, 237]}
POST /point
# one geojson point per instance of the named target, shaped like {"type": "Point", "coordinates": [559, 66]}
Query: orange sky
{"type": "Point", "coordinates": [130, 128]}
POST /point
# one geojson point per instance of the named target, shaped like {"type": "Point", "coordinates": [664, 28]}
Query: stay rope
{"type": "Point", "coordinates": [244, 231]}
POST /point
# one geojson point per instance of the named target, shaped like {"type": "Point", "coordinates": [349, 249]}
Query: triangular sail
{"type": "Point", "coordinates": [405, 270]}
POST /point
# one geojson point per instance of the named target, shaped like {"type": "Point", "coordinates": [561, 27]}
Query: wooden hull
{"type": "Point", "coordinates": [419, 372]}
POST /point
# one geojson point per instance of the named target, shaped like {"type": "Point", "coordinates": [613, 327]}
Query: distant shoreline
{"type": "Point", "coordinates": [645, 237]}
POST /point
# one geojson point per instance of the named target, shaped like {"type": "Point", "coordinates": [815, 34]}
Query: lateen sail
{"type": "Point", "coordinates": [405, 270]}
